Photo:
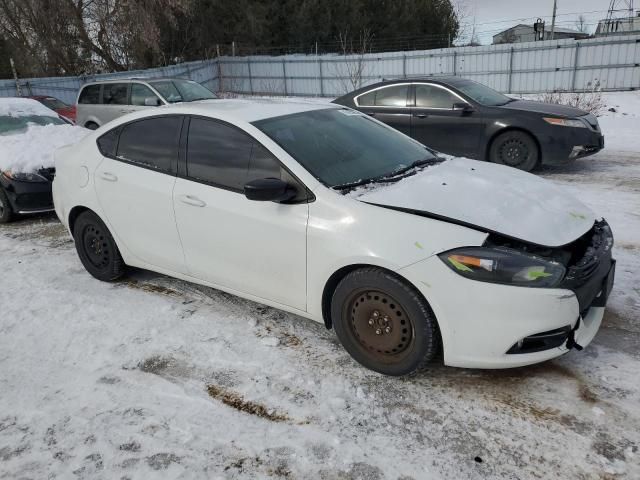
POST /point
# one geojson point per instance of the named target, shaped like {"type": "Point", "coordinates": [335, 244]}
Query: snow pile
{"type": "Point", "coordinates": [30, 150]}
{"type": "Point", "coordinates": [22, 107]}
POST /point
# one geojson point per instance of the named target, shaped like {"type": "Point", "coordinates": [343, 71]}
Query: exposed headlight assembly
{"type": "Point", "coordinates": [504, 266]}
{"type": "Point", "coordinates": [25, 177]}
{"type": "Point", "coordinates": [565, 122]}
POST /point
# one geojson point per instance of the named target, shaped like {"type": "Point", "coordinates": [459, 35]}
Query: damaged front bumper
{"type": "Point", "coordinates": [486, 325]}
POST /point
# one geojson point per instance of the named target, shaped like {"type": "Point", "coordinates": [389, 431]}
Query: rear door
{"type": "Point", "coordinates": [436, 123]}
{"type": "Point", "coordinates": [134, 184]}
{"type": "Point", "coordinates": [258, 248]}
{"type": "Point", "coordinates": [389, 105]}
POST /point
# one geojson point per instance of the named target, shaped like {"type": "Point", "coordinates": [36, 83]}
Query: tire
{"type": "Point", "coordinates": [96, 248]}
{"type": "Point", "coordinates": [515, 149]}
{"type": "Point", "coordinates": [91, 125]}
{"type": "Point", "coordinates": [6, 212]}
{"type": "Point", "coordinates": [383, 322]}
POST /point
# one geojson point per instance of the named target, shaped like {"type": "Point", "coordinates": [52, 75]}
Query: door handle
{"type": "Point", "coordinates": [420, 115]}
{"type": "Point", "coordinates": [126, 111]}
{"type": "Point", "coordinates": [193, 201]}
{"type": "Point", "coordinates": [109, 177]}
{"type": "Point", "coordinates": [371, 114]}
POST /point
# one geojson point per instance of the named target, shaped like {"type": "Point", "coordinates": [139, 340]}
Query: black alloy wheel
{"type": "Point", "coordinates": [515, 149]}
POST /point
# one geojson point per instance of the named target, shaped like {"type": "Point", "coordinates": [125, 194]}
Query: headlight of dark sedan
{"type": "Point", "coordinates": [504, 266]}
{"type": "Point", "coordinates": [25, 177]}
{"type": "Point", "coordinates": [565, 122]}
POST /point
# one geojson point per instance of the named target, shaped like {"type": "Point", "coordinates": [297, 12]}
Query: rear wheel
{"type": "Point", "coordinates": [515, 149]}
{"type": "Point", "coordinates": [383, 322]}
{"type": "Point", "coordinates": [91, 125]}
{"type": "Point", "coordinates": [6, 213]}
{"type": "Point", "coordinates": [96, 248]}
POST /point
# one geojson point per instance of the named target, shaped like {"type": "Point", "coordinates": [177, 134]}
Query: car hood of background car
{"type": "Point", "coordinates": [488, 197]}
{"type": "Point", "coordinates": [545, 108]}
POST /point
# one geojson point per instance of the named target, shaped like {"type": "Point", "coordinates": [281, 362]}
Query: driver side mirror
{"type": "Point", "coordinates": [269, 190]}
{"type": "Point", "coordinates": [151, 101]}
{"type": "Point", "coordinates": [463, 107]}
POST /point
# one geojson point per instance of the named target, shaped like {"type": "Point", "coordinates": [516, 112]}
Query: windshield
{"type": "Point", "coordinates": [481, 93]}
{"type": "Point", "coordinates": [53, 103]}
{"type": "Point", "coordinates": [181, 90]}
{"type": "Point", "coordinates": [341, 146]}
{"type": "Point", "coordinates": [10, 125]}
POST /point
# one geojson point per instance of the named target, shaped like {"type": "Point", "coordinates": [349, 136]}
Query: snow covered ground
{"type": "Point", "coordinates": [153, 377]}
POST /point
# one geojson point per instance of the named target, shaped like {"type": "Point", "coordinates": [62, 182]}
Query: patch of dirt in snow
{"type": "Point", "coordinates": [235, 400]}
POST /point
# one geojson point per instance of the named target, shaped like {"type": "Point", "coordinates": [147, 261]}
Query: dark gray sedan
{"type": "Point", "coordinates": [465, 118]}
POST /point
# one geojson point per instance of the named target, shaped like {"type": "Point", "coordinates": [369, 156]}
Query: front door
{"type": "Point", "coordinates": [257, 248]}
{"type": "Point", "coordinates": [135, 190]}
{"type": "Point", "coordinates": [389, 105]}
{"type": "Point", "coordinates": [437, 124]}
{"type": "Point", "coordinates": [115, 101]}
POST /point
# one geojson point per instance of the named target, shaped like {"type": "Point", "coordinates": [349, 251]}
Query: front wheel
{"type": "Point", "coordinates": [383, 322]}
{"type": "Point", "coordinates": [96, 248]}
{"type": "Point", "coordinates": [6, 213]}
{"type": "Point", "coordinates": [515, 149]}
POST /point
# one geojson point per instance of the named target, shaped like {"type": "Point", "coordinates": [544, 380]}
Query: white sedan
{"type": "Point", "coordinates": [324, 212]}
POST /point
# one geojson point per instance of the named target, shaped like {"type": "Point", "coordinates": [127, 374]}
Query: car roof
{"type": "Point", "coordinates": [132, 79]}
{"type": "Point", "coordinates": [442, 80]}
{"type": "Point", "coordinates": [243, 110]}
{"type": "Point", "coordinates": [22, 106]}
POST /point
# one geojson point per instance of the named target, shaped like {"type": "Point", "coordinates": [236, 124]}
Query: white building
{"type": "Point", "coordinates": [617, 26]}
{"type": "Point", "coordinates": [526, 33]}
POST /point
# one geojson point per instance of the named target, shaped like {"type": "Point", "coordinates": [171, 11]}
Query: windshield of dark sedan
{"type": "Point", "coordinates": [182, 90]}
{"type": "Point", "coordinates": [481, 93]}
{"type": "Point", "coordinates": [10, 124]}
{"type": "Point", "coordinates": [341, 146]}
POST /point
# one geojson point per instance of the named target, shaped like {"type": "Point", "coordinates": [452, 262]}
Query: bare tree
{"type": "Point", "coordinates": [581, 24]}
{"type": "Point", "coordinates": [351, 70]}
{"type": "Point", "coordinates": [85, 36]}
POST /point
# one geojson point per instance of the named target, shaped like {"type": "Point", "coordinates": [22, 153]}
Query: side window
{"type": "Point", "coordinates": [90, 95]}
{"type": "Point", "coordinates": [431, 96]}
{"type": "Point", "coordinates": [263, 164]}
{"type": "Point", "coordinates": [108, 142]}
{"type": "Point", "coordinates": [114, 94]}
{"type": "Point", "coordinates": [218, 154]}
{"type": "Point", "coordinates": [152, 143]}
{"type": "Point", "coordinates": [395, 96]}
{"type": "Point", "coordinates": [141, 92]}
{"type": "Point", "coordinates": [367, 99]}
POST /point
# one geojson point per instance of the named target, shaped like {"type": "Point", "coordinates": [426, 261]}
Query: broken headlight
{"type": "Point", "coordinates": [505, 266]}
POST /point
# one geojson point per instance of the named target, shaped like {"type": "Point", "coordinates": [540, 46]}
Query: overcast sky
{"type": "Point", "coordinates": [493, 16]}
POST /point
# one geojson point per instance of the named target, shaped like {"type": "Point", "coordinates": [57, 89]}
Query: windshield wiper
{"type": "Point", "coordinates": [416, 164]}
{"type": "Point", "coordinates": [390, 177]}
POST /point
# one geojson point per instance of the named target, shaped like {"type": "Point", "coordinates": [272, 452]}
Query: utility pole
{"type": "Point", "coordinates": [15, 77]}
{"type": "Point", "coordinates": [553, 19]}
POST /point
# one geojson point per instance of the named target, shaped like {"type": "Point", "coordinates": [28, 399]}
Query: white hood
{"type": "Point", "coordinates": [491, 197]}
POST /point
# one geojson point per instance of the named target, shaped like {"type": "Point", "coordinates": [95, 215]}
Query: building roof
{"type": "Point", "coordinates": [547, 28]}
